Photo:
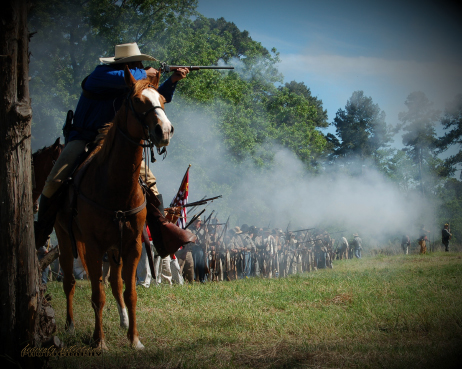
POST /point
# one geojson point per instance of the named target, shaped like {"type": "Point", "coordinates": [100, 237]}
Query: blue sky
{"type": "Point", "coordinates": [387, 49]}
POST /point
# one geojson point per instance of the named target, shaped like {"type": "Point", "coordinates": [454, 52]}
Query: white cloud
{"type": "Point", "coordinates": [388, 81]}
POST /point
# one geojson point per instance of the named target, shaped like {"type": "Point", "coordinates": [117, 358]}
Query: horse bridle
{"type": "Point", "coordinates": [140, 118]}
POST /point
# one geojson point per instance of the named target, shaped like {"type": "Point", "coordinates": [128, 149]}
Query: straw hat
{"type": "Point", "coordinates": [237, 230]}
{"type": "Point", "coordinates": [126, 53]}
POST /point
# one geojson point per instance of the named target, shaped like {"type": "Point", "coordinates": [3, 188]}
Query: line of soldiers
{"type": "Point", "coordinates": [247, 251]}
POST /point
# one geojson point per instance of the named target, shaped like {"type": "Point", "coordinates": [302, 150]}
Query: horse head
{"type": "Point", "coordinates": [43, 161]}
{"type": "Point", "coordinates": [147, 107]}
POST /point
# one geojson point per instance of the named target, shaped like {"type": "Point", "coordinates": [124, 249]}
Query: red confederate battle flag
{"type": "Point", "coordinates": [181, 199]}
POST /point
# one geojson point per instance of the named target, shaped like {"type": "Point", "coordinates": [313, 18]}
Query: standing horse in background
{"type": "Point", "coordinates": [111, 206]}
{"type": "Point", "coordinates": [42, 163]}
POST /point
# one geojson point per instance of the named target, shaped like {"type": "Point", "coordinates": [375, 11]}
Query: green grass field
{"type": "Point", "coordinates": [378, 312]}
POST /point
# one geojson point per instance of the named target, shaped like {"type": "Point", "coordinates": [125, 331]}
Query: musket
{"type": "Point", "coordinates": [224, 229]}
{"type": "Point", "coordinates": [194, 205]}
{"type": "Point", "coordinates": [210, 217]}
{"type": "Point", "coordinates": [201, 202]}
{"type": "Point", "coordinates": [317, 239]}
{"type": "Point", "coordinates": [164, 68]}
{"type": "Point", "coordinates": [194, 219]}
{"type": "Point", "coordinates": [302, 230]}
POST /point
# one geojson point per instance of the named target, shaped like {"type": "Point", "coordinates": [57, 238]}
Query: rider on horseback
{"type": "Point", "coordinates": [103, 94]}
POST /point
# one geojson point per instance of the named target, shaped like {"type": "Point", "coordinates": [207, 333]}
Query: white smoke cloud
{"type": "Point", "coordinates": [370, 204]}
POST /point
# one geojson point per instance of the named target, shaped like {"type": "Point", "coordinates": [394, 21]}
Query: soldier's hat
{"type": "Point", "coordinates": [198, 219]}
{"type": "Point", "coordinates": [446, 225]}
{"type": "Point", "coordinates": [252, 229]}
{"type": "Point", "coordinates": [126, 53]}
{"type": "Point", "coordinates": [355, 235]}
{"type": "Point", "coordinates": [237, 230]}
{"type": "Point", "coordinates": [244, 228]}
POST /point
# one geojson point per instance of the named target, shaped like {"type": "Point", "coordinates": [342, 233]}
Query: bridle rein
{"type": "Point", "coordinates": [140, 118]}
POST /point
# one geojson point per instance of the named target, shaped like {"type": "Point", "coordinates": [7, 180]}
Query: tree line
{"type": "Point", "coordinates": [251, 107]}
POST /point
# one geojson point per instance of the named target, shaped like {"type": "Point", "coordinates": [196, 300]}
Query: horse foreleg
{"type": "Point", "coordinates": [98, 297]}
{"type": "Point", "coordinates": [130, 296]}
{"type": "Point", "coordinates": [117, 286]}
{"type": "Point", "coordinates": [66, 261]}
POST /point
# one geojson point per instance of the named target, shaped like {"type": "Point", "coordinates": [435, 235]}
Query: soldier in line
{"type": "Point", "coordinates": [405, 243]}
{"type": "Point", "coordinates": [258, 255]}
{"type": "Point", "coordinates": [246, 251]}
{"type": "Point", "coordinates": [292, 255]}
{"type": "Point", "coordinates": [215, 267]}
{"type": "Point", "coordinates": [308, 259]}
{"type": "Point", "coordinates": [343, 248]}
{"type": "Point", "coordinates": [446, 236]}
{"type": "Point", "coordinates": [328, 242]}
{"type": "Point", "coordinates": [234, 247]}
{"type": "Point", "coordinates": [423, 239]}
{"type": "Point", "coordinates": [357, 245]}
{"type": "Point", "coordinates": [199, 250]}
{"type": "Point", "coordinates": [275, 256]}
{"type": "Point", "coordinates": [267, 250]}
{"type": "Point", "coordinates": [257, 241]}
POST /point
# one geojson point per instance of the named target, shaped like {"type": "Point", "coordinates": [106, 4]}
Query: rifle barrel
{"type": "Point", "coordinates": [171, 68]}
{"type": "Point", "coordinates": [201, 202]}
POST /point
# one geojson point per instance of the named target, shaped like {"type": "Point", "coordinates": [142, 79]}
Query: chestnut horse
{"type": "Point", "coordinates": [42, 162]}
{"type": "Point", "coordinates": [108, 188]}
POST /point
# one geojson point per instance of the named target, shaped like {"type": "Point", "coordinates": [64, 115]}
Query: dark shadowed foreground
{"type": "Point", "coordinates": [379, 312]}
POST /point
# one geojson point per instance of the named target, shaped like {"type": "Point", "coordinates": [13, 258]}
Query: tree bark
{"type": "Point", "coordinates": [20, 293]}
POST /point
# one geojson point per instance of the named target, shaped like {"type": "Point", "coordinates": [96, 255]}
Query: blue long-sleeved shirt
{"type": "Point", "coordinates": [91, 114]}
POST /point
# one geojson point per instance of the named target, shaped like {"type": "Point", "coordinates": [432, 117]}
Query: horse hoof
{"type": "Point", "coordinates": [70, 328]}
{"type": "Point", "coordinates": [138, 345]}
{"type": "Point", "coordinates": [101, 345]}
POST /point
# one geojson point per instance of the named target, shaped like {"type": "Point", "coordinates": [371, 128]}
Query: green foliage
{"type": "Point", "coordinates": [419, 138]}
{"type": "Point", "coordinates": [362, 130]}
{"type": "Point", "coordinates": [452, 123]}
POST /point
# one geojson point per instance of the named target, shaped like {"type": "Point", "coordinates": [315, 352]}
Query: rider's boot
{"type": "Point", "coordinates": [167, 237]}
{"type": "Point", "coordinates": [43, 226]}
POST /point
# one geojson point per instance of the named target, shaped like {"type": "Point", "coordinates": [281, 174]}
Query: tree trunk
{"type": "Point", "coordinates": [20, 293]}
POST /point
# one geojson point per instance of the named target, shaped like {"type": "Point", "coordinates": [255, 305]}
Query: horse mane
{"type": "Point", "coordinates": [105, 138]}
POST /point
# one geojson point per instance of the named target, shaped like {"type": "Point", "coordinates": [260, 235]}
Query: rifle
{"type": "Point", "coordinates": [287, 231]}
{"type": "Point", "coordinates": [201, 202]}
{"type": "Point", "coordinates": [316, 239]}
{"type": "Point", "coordinates": [194, 205]}
{"type": "Point", "coordinates": [209, 217]}
{"type": "Point", "coordinates": [194, 219]}
{"type": "Point", "coordinates": [164, 68]}
{"type": "Point", "coordinates": [224, 229]}
{"type": "Point", "coordinates": [302, 230]}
